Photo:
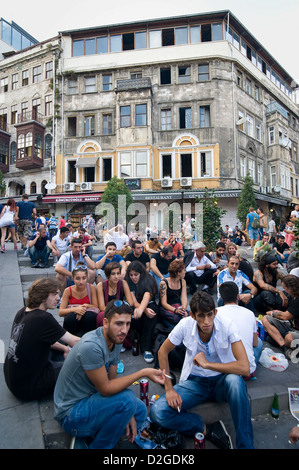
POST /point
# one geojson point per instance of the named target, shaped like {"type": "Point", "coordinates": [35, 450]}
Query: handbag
{"type": "Point", "coordinates": [7, 219]}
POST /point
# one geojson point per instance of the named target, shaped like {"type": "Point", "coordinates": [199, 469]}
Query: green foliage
{"type": "Point", "coordinates": [2, 183]}
{"type": "Point", "coordinates": [296, 233]}
{"type": "Point", "coordinates": [211, 220]}
{"type": "Point", "coordinates": [246, 200]}
{"type": "Point", "coordinates": [115, 188]}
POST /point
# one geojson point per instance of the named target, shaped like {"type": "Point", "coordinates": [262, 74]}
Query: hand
{"type": "Point", "coordinates": [283, 298]}
{"type": "Point", "coordinates": [294, 435]}
{"type": "Point", "coordinates": [174, 400]}
{"type": "Point", "coordinates": [155, 375]}
{"type": "Point", "coordinates": [181, 311]}
{"type": "Point", "coordinates": [200, 360]}
{"type": "Point", "coordinates": [245, 298]}
{"type": "Point", "coordinates": [207, 266]}
{"type": "Point", "coordinates": [138, 313]}
{"type": "Point", "coordinates": [131, 430]}
{"type": "Point", "coordinates": [150, 313]}
{"type": "Point", "coordinates": [80, 311]}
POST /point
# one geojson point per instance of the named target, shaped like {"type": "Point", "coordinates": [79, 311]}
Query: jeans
{"type": "Point", "coordinates": [35, 254]}
{"type": "Point", "coordinates": [257, 351]}
{"type": "Point", "coordinates": [104, 418]}
{"type": "Point", "coordinates": [207, 278]}
{"type": "Point", "coordinates": [280, 260]}
{"type": "Point", "coordinates": [157, 278]}
{"type": "Point", "coordinates": [229, 388]}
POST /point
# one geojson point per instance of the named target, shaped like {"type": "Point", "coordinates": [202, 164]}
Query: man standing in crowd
{"type": "Point", "coordinates": [23, 216]}
{"type": "Point", "coordinates": [91, 226]}
{"type": "Point", "coordinates": [199, 268]}
{"type": "Point", "coordinates": [252, 231]}
{"type": "Point", "coordinates": [215, 362]}
{"type": "Point", "coordinates": [90, 401]}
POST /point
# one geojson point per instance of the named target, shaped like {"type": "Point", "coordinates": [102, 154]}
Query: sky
{"type": "Point", "coordinates": [274, 23]}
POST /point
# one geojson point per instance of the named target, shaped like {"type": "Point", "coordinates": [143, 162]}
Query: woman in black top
{"type": "Point", "coordinates": [143, 290]}
{"type": "Point", "coordinates": [173, 295]}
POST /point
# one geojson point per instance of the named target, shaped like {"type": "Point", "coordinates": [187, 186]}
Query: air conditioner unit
{"type": "Point", "coordinates": [186, 181]}
{"type": "Point", "coordinates": [70, 186]}
{"type": "Point", "coordinates": [166, 183]}
{"type": "Point", "coordinates": [85, 186]}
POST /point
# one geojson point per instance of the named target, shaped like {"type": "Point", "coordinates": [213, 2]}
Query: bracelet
{"type": "Point", "coordinates": [85, 255]}
{"type": "Point", "coordinates": [174, 310]}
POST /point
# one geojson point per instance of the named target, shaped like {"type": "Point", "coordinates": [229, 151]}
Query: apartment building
{"type": "Point", "coordinates": [172, 105]}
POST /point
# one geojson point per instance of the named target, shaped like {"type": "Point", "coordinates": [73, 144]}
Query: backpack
{"type": "Point", "coordinates": [256, 222]}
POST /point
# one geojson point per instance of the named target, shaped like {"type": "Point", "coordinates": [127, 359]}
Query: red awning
{"type": "Point", "coordinates": [69, 198]}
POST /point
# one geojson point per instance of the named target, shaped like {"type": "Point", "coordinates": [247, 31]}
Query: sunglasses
{"type": "Point", "coordinates": [119, 303]}
{"type": "Point", "coordinates": [83, 267]}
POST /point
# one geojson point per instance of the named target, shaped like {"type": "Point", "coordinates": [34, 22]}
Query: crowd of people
{"type": "Point", "coordinates": [136, 292]}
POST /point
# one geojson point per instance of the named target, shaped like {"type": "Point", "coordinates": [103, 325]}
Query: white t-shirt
{"type": "Point", "coordinates": [272, 226]}
{"type": "Point", "coordinates": [246, 323]}
{"type": "Point", "coordinates": [295, 214]}
{"type": "Point", "coordinates": [61, 244]}
{"type": "Point", "coordinates": [295, 272]}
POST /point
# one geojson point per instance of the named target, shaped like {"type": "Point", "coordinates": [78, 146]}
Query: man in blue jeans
{"type": "Point", "coordinates": [90, 401]}
{"type": "Point", "coordinates": [215, 362]}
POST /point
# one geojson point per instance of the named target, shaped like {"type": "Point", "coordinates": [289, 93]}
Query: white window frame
{"type": "Point", "coordinates": [273, 176]}
{"type": "Point", "coordinates": [242, 166]}
{"type": "Point", "coordinates": [211, 156]}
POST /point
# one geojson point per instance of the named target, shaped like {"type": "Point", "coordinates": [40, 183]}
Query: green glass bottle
{"type": "Point", "coordinates": [275, 407]}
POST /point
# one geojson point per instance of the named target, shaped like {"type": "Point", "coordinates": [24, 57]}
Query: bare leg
{"type": "Point", "coordinates": [273, 332]}
{"type": "Point", "coordinates": [3, 235]}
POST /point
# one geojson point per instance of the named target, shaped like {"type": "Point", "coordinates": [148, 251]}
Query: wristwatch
{"type": "Point", "coordinates": [252, 296]}
{"type": "Point", "coordinates": [85, 255]}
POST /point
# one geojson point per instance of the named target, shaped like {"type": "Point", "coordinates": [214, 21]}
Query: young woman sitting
{"type": "Point", "coordinates": [113, 288]}
{"type": "Point", "coordinates": [143, 288]}
{"type": "Point", "coordinates": [173, 295]}
{"type": "Point", "coordinates": [79, 305]}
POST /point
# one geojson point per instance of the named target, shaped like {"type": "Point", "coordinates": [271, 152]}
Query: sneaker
{"type": "Point", "coordinates": [78, 443]}
{"type": "Point", "coordinates": [123, 350]}
{"type": "Point", "coordinates": [2, 249]}
{"type": "Point", "coordinates": [217, 434]}
{"type": "Point", "coordinates": [148, 357]}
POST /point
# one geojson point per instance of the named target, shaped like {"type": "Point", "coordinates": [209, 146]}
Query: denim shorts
{"type": "Point", "coordinates": [253, 233]}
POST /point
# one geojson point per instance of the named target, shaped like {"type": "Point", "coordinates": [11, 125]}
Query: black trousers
{"type": "Point", "coordinates": [206, 278]}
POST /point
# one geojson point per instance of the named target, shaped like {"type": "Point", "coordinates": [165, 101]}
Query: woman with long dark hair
{"type": "Point", "coordinates": [143, 288]}
{"type": "Point", "coordinates": [9, 212]}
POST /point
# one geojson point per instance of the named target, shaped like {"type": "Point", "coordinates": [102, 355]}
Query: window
{"type": "Point", "coordinates": [165, 76]}
{"type": "Point", "coordinates": [14, 81]}
{"type": "Point", "coordinates": [107, 82]}
{"type": "Point", "coordinates": [36, 108]}
{"type": "Point", "coordinates": [102, 44]}
{"type": "Point", "coordinates": [72, 171]}
{"type": "Point", "coordinates": [128, 41]}
{"type": "Point", "coordinates": [37, 74]}
{"type": "Point", "coordinates": [38, 145]}
{"type": "Point", "coordinates": [140, 40]}
{"type": "Point", "coordinates": [4, 84]}
{"type": "Point", "coordinates": [205, 164]}
{"type": "Point", "coordinates": [258, 130]}
{"type": "Point", "coordinates": [107, 169]}
{"type": "Point", "coordinates": [204, 116]}
{"type": "Point", "coordinates": [184, 74]}
{"type": "Point", "coordinates": [217, 31]}
{"type": "Point", "coordinates": [28, 144]}
{"type": "Point", "coordinates": [250, 126]}
{"type": "Point", "coordinates": [203, 72]}
{"type": "Point", "coordinates": [125, 165]}
{"type": "Point", "coordinates": [271, 135]}
{"type": "Point", "coordinates": [253, 58]}
{"type": "Point", "coordinates": [239, 79]}
{"type": "Point", "coordinates": [48, 146]}
{"type": "Point", "coordinates": [166, 166]}
{"type": "Point", "coordinates": [107, 124]}
{"type": "Point", "coordinates": [125, 116]}
{"type": "Point", "coordinates": [242, 167]}
{"type": "Point", "coordinates": [251, 168]}
{"type": "Point", "coordinates": [165, 119]}
{"type": "Point", "coordinates": [186, 165]}
{"type": "Point", "coordinates": [14, 112]}
{"type": "Point", "coordinates": [89, 125]}
{"type": "Point", "coordinates": [72, 86]}
{"type": "Point", "coordinates": [273, 176]}
{"type": "Point", "coordinates": [89, 174]}
{"type": "Point", "coordinates": [260, 174]}
{"type": "Point", "coordinates": [243, 47]}
{"type": "Point", "coordinates": [141, 163]}
{"type": "Point", "coordinates": [78, 47]}
{"type": "Point", "coordinates": [141, 115]}
{"type": "Point", "coordinates": [3, 118]}
{"type": "Point", "coordinates": [33, 187]}
{"type": "Point", "coordinates": [168, 37]}
{"type": "Point", "coordinates": [21, 146]}
{"type": "Point", "coordinates": [195, 34]}
{"type": "Point", "coordinates": [185, 118]}
{"type": "Point", "coordinates": [236, 40]}
{"type": "Point", "coordinates": [136, 75]}
{"type": "Point", "coordinates": [90, 46]}
{"type": "Point", "coordinates": [257, 93]}
{"type": "Point", "coordinates": [48, 105]}
{"type": "Point", "coordinates": [13, 153]}
{"type": "Point", "coordinates": [4, 149]}
{"type": "Point", "coordinates": [155, 38]}
{"type": "Point", "coordinates": [115, 43]}
{"type": "Point", "coordinates": [181, 35]}
{"type": "Point", "coordinates": [49, 70]}
{"type": "Point", "coordinates": [90, 84]}
{"type": "Point", "coordinates": [206, 33]}
{"type": "Point", "coordinates": [248, 86]}
{"type": "Point", "coordinates": [24, 109]}
{"type": "Point", "coordinates": [72, 126]}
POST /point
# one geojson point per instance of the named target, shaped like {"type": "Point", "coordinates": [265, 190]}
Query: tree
{"type": "Point", "coordinates": [211, 219]}
{"type": "Point", "coordinates": [115, 188]}
{"type": "Point", "coordinates": [246, 200]}
{"type": "Point", "coordinates": [296, 233]}
{"type": "Point", "coordinates": [2, 183]}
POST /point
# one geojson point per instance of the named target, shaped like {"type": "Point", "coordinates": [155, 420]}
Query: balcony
{"type": "Point", "coordinates": [28, 116]}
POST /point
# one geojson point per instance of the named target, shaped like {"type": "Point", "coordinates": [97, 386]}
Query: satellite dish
{"type": "Point", "coordinates": [50, 186]}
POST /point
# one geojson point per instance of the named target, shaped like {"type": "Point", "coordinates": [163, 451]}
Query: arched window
{"type": "Point", "coordinates": [38, 145]}
{"type": "Point", "coordinates": [28, 144]}
{"type": "Point", "coordinates": [43, 188]}
{"type": "Point", "coordinates": [33, 187]}
{"type": "Point", "coordinates": [21, 146]}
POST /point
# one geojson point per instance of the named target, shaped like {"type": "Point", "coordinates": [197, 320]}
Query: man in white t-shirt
{"type": "Point", "coordinates": [245, 321]}
{"type": "Point", "coordinates": [215, 362]}
{"type": "Point", "coordinates": [60, 243]}
{"type": "Point", "coordinates": [295, 214]}
{"type": "Point", "coordinates": [120, 238]}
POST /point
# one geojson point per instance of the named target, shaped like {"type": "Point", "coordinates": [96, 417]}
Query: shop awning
{"type": "Point", "coordinates": [70, 198]}
{"type": "Point", "coordinates": [86, 162]}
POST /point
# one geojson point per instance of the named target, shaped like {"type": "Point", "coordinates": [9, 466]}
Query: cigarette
{"type": "Point", "coordinates": [178, 408]}
{"type": "Point", "coordinates": [168, 376]}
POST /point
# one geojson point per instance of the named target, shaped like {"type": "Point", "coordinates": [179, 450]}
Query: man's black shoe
{"type": "Point", "coordinates": [217, 434]}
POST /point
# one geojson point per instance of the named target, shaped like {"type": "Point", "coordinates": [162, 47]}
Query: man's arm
{"type": "Point", "coordinates": [33, 242]}
{"type": "Point", "coordinates": [174, 400]}
{"type": "Point", "coordinates": [154, 268]}
{"type": "Point", "coordinates": [239, 367]}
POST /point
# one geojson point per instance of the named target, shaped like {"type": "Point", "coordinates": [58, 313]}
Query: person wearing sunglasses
{"type": "Point", "coordinates": [79, 304]}
{"type": "Point", "coordinates": [91, 402]}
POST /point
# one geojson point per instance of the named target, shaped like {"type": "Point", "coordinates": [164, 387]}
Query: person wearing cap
{"type": "Point", "coordinates": [265, 279]}
{"type": "Point", "coordinates": [153, 246]}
